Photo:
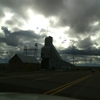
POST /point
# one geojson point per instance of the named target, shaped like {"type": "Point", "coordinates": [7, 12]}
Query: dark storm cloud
{"type": "Point", "coordinates": [85, 43]}
{"type": "Point", "coordinates": [45, 7]}
{"type": "Point", "coordinates": [78, 14]}
{"type": "Point", "coordinates": [1, 13]}
{"type": "Point", "coordinates": [18, 7]}
{"type": "Point", "coordinates": [48, 7]}
{"type": "Point", "coordinates": [97, 59]}
{"type": "Point", "coordinates": [6, 31]}
{"type": "Point", "coordinates": [10, 40]}
{"type": "Point", "coordinates": [10, 22]}
{"type": "Point", "coordinates": [87, 51]}
{"type": "Point", "coordinates": [77, 58]}
{"type": "Point", "coordinates": [15, 38]}
{"type": "Point", "coordinates": [14, 21]}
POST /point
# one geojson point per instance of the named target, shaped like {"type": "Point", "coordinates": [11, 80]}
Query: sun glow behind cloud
{"type": "Point", "coordinates": [95, 23]}
{"type": "Point", "coordinates": [36, 22]}
{"type": "Point", "coordinates": [8, 16]}
{"type": "Point", "coordinates": [93, 37]}
{"type": "Point", "coordinates": [59, 37]}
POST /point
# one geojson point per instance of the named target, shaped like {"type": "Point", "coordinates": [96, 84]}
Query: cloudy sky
{"type": "Point", "coordinates": [71, 23]}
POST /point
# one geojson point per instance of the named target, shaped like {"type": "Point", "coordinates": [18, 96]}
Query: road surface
{"type": "Point", "coordinates": [80, 85]}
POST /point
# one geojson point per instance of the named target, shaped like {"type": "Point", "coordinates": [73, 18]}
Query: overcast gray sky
{"type": "Point", "coordinates": [25, 22]}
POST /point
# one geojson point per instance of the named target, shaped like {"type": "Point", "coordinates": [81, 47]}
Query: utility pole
{"type": "Point", "coordinates": [73, 54]}
{"type": "Point", "coordinates": [25, 50]}
{"type": "Point", "coordinates": [73, 49]}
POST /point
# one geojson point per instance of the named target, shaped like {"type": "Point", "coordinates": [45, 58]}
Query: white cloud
{"type": "Point", "coordinates": [36, 22]}
{"type": "Point", "coordinates": [8, 16]}
{"type": "Point", "coordinates": [63, 20]}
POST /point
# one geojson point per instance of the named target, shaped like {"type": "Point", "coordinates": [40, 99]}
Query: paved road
{"type": "Point", "coordinates": [80, 85]}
